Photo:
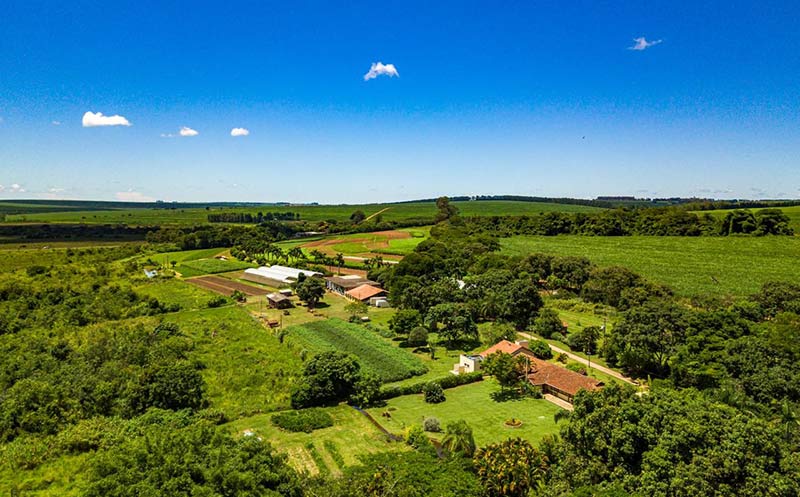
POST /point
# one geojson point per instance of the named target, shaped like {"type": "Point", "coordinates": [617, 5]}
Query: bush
{"type": "Point", "coordinates": [558, 337]}
{"type": "Point", "coordinates": [433, 392]}
{"type": "Point", "coordinates": [217, 302]}
{"type": "Point", "coordinates": [563, 358]}
{"type": "Point", "coordinates": [540, 349]}
{"type": "Point", "coordinates": [577, 367]}
{"type": "Point", "coordinates": [432, 425]}
{"type": "Point", "coordinates": [305, 420]}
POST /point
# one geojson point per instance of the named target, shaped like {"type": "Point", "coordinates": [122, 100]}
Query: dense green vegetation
{"type": "Point", "coordinates": [691, 265]}
{"type": "Point", "coordinates": [115, 384]}
{"type": "Point", "coordinates": [792, 212]}
{"type": "Point", "coordinates": [388, 362]}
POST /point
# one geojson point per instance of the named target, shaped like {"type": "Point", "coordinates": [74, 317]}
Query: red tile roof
{"type": "Point", "coordinates": [502, 346]}
{"type": "Point", "coordinates": [552, 375]}
{"type": "Point", "coordinates": [365, 292]}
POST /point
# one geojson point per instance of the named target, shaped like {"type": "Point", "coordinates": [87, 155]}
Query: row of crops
{"type": "Point", "coordinates": [390, 363]}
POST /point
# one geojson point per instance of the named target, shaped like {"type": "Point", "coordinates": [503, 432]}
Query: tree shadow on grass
{"type": "Point", "coordinates": [507, 395]}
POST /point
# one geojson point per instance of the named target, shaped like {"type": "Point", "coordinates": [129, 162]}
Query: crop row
{"type": "Point", "coordinates": [374, 354]}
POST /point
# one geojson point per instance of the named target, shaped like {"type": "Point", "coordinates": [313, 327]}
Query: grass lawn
{"type": "Point", "coordinates": [351, 436]}
{"type": "Point", "coordinates": [474, 404]}
{"type": "Point", "coordinates": [689, 265]}
{"type": "Point", "coordinates": [183, 255]}
{"type": "Point", "coordinates": [60, 477]}
{"type": "Point", "coordinates": [247, 370]}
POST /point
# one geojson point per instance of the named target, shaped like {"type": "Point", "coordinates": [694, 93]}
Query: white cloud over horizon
{"type": "Point", "coordinates": [641, 43]}
{"type": "Point", "coordinates": [14, 188]}
{"type": "Point", "coordinates": [93, 119]}
{"type": "Point", "coordinates": [186, 131]}
{"type": "Point", "coordinates": [240, 132]}
{"type": "Point", "coordinates": [381, 69]}
{"type": "Point", "coordinates": [133, 196]}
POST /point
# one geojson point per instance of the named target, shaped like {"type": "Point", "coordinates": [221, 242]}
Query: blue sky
{"type": "Point", "coordinates": [527, 98]}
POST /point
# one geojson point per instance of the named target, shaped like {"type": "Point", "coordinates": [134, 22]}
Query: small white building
{"type": "Point", "coordinates": [468, 364]}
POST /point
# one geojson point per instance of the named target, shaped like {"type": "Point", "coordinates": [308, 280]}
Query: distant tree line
{"type": "Point", "coordinates": [668, 221]}
{"type": "Point", "coordinates": [250, 218]}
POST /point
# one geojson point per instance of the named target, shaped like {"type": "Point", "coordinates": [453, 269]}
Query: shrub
{"type": "Point", "coordinates": [563, 358]}
{"type": "Point", "coordinates": [217, 302]}
{"type": "Point", "coordinates": [540, 349]}
{"type": "Point", "coordinates": [305, 420]}
{"type": "Point", "coordinates": [433, 392]}
{"type": "Point", "coordinates": [577, 367]}
{"type": "Point", "coordinates": [558, 337]}
{"type": "Point", "coordinates": [432, 425]}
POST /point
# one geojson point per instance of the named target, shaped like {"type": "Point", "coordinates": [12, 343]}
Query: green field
{"type": "Point", "coordinates": [474, 404]}
{"type": "Point", "coordinates": [389, 362]}
{"type": "Point", "coordinates": [792, 212]}
{"type": "Point", "coordinates": [689, 265]}
{"type": "Point", "coordinates": [247, 370]}
{"type": "Point", "coordinates": [392, 212]}
{"type": "Point", "coordinates": [351, 436]}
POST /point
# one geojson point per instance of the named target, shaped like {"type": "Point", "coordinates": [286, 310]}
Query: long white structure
{"type": "Point", "coordinates": [280, 274]}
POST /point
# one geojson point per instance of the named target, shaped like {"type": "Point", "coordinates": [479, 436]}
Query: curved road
{"type": "Point", "coordinates": [577, 358]}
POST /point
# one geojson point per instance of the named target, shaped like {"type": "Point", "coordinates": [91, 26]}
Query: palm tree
{"type": "Point", "coordinates": [296, 253]}
{"type": "Point", "coordinates": [459, 439]}
{"type": "Point", "coordinates": [340, 261]}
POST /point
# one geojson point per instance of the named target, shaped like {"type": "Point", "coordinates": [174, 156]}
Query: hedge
{"type": "Point", "coordinates": [449, 381]}
{"type": "Point", "coordinates": [305, 420]}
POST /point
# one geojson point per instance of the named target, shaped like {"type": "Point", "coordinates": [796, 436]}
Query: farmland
{"type": "Point", "coordinates": [390, 363]}
{"type": "Point", "coordinates": [690, 265]}
{"type": "Point", "coordinates": [391, 244]}
{"type": "Point", "coordinates": [340, 213]}
{"type": "Point", "coordinates": [474, 404]}
{"type": "Point", "coordinates": [224, 286]}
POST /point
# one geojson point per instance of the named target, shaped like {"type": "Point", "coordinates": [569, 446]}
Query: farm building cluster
{"type": "Point", "coordinates": [358, 288]}
{"type": "Point", "coordinates": [552, 378]}
{"type": "Point", "coordinates": [351, 286]}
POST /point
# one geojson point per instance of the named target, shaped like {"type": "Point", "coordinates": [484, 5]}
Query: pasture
{"type": "Point", "coordinates": [720, 266]}
{"type": "Point", "coordinates": [389, 362]}
{"type": "Point", "coordinates": [340, 213]}
{"type": "Point", "coordinates": [475, 404]}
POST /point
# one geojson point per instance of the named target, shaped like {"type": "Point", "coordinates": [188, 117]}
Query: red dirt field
{"type": "Point", "coordinates": [226, 287]}
{"type": "Point", "coordinates": [368, 241]}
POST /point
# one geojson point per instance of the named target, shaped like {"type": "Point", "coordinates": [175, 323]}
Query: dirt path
{"type": "Point", "coordinates": [577, 358]}
{"type": "Point", "coordinates": [377, 213]}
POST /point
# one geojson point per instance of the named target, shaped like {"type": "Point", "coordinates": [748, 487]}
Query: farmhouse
{"type": "Point", "coordinates": [552, 378]}
{"type": "Point", "coordinates": [279, 301]}
{"type": "Point", "coordinates": [365, 292]}
{"type": "Point", "coordinates": [347, 282]}
{"type": "Point", "coordinates": [276, 275]}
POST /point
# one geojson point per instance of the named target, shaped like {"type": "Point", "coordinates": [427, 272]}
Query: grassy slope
{"type": "Point", "coordinates": [310, 213]}
{"type": "Point", "coordinates": [793, 213]}
{"type": "Point", "coordinates": [352, 434]}
{"type": "Point", "coordinates": [474, 404]}
{"type": "Point", "coordinates": [687, 264]}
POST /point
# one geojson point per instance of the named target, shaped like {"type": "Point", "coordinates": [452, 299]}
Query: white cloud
{"type": "Point", "coordinates": [132, 196]}
{"type": "Point", "coordinates": [92, 119]}
{"type": "Point", "coordinates": [57, 123]}
{"type": "Point", "coordinates": [641, 43]}
{"type": "Point", "coordinates": [381, 69]}
{"type": "Point", "coordinates": [14, 188]}
{"type": "Point", "coordinates": [188, 132]}
{"type": "Point", "coordinates": [240, 132]}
